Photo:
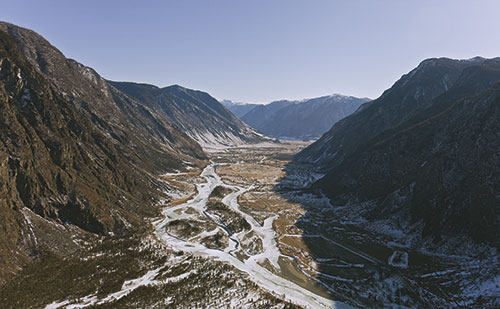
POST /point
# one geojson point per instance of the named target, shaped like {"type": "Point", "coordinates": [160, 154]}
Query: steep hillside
{"type": "Point", "coordinates": [196, 113]}
{"type": "Point", "coordinates": [423, 158]}
{"type": "Point", "coordinates": [113, 113]}
{"type": "Point", "coordinates": [413, 92]}
{"type": "Point", "coordinates": [76, 154]}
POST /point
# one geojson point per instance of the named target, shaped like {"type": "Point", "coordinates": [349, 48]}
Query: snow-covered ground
{"type": "Point", "coordinates": [263, 277]}
{"type": "Point", "coordinates": [148, 279]}
{"type": "Point", "coordinates": [219, 141]}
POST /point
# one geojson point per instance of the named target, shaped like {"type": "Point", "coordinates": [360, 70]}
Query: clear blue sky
{"type": "Point", "coordinates": [263, 50]}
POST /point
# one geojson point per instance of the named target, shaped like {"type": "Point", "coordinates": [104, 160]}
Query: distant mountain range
{"type": "Point", "coordinates": [238, 108]}
{"type": "Point", "coordinates": [297, 120]}
{"type": "Point", "coordinates": [424, 157]}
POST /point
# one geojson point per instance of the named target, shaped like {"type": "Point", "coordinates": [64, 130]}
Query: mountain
{"type": "Point", "coordinates": [113, 113]}
{"type": "Point", "coordinates": [260, 114]}
{"type": "Point", "coordinates": [301, 120]}
{"type": "Point", "coordinates": [423, 157]}
{"type": "Point", "coordinates": [413, 92]}
{"type": "Point", "coordinates": [309, 119]}
{"type": "Point", "coordinates": [76, 154]}
{"type": "Point", "coordinates": [237, 108]}
{"type": "Point", "coordinates": [196, 113]}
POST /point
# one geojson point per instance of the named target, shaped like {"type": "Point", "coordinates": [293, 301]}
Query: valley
{"type": "Point", "coordinates": [118, 194]}
{"type": "Point", "coordinates": [247, 231]}
{"type": "Point", "coordinates": [255, 211]}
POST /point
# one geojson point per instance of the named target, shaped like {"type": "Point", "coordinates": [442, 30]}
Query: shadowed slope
{"type": "Point", "coordinates": [74, 151]}
{"type": "Point", "coordinates": [195, 112]}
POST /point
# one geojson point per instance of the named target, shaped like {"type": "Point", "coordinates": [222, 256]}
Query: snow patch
{"type": "Point", "coordinates": [399, 259]}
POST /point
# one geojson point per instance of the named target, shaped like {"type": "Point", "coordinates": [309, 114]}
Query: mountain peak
{"type": "Point", "coordinates": [303, 119]}
{"type": "Point", "coordinates": [177, 87]}
{"type": "Point", "coordinates": [477, 60]}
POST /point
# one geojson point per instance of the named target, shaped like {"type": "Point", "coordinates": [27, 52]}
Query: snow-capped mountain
{"type": "Point", "coordinates": [301, 120]}
{"type": "Point", "coordinates": [238, 108]}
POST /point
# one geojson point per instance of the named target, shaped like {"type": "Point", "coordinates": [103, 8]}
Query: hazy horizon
{"type": "Point", "coordinates": [262, 51]}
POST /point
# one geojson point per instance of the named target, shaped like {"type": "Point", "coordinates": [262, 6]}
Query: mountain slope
{"type": "Point", "coordinates": [311, 118]}
{"type": "Point", "coordinates": [198, 114]}
{"type": "Point", "coordinates": [423, 158]}
{"type": "Point", "coordinates": [260, 114]}
{"type": "Point", "coordinates": [74, 152]}
{"type": "Point", "coordinates": [414, 91]}
{"type": "Point", "coordinates": [238, 109]}
{"type": "Point", "coordinates": [301, 120]}
{"type": "Point", "coordinates": [113, 113]}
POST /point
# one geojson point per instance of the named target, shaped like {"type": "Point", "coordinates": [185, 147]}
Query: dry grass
{"type": "Point", "coordinates": [180, 201]}
{"type": "Point", "coordinates": [295, 242]}
{"type": "Point", "coordinates": [285, 224]}
{"type": "Point", "coordinates": [183, 182]}
{"type": "Point", "coordinates": [269, 201]}
{"type": "Point", "coordinates": [265, 171]}
{"type": "Point", "coordinates": [256, 174]}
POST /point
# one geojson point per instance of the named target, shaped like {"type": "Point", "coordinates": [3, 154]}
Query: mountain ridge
{"type": "Point", "coordinates": [428, 169]}
{"type": "Point", "coordinates": [301, 119]}
{"type": "Point", "coordinates": [77, 156]}
{"type": "Point", "coordinates": [197, 113]}
{"type": "Point", "coordinates": [238, 108]}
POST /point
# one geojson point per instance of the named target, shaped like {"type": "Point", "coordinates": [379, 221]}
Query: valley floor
{"type": "Point", "coordinates": [246, 232]}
